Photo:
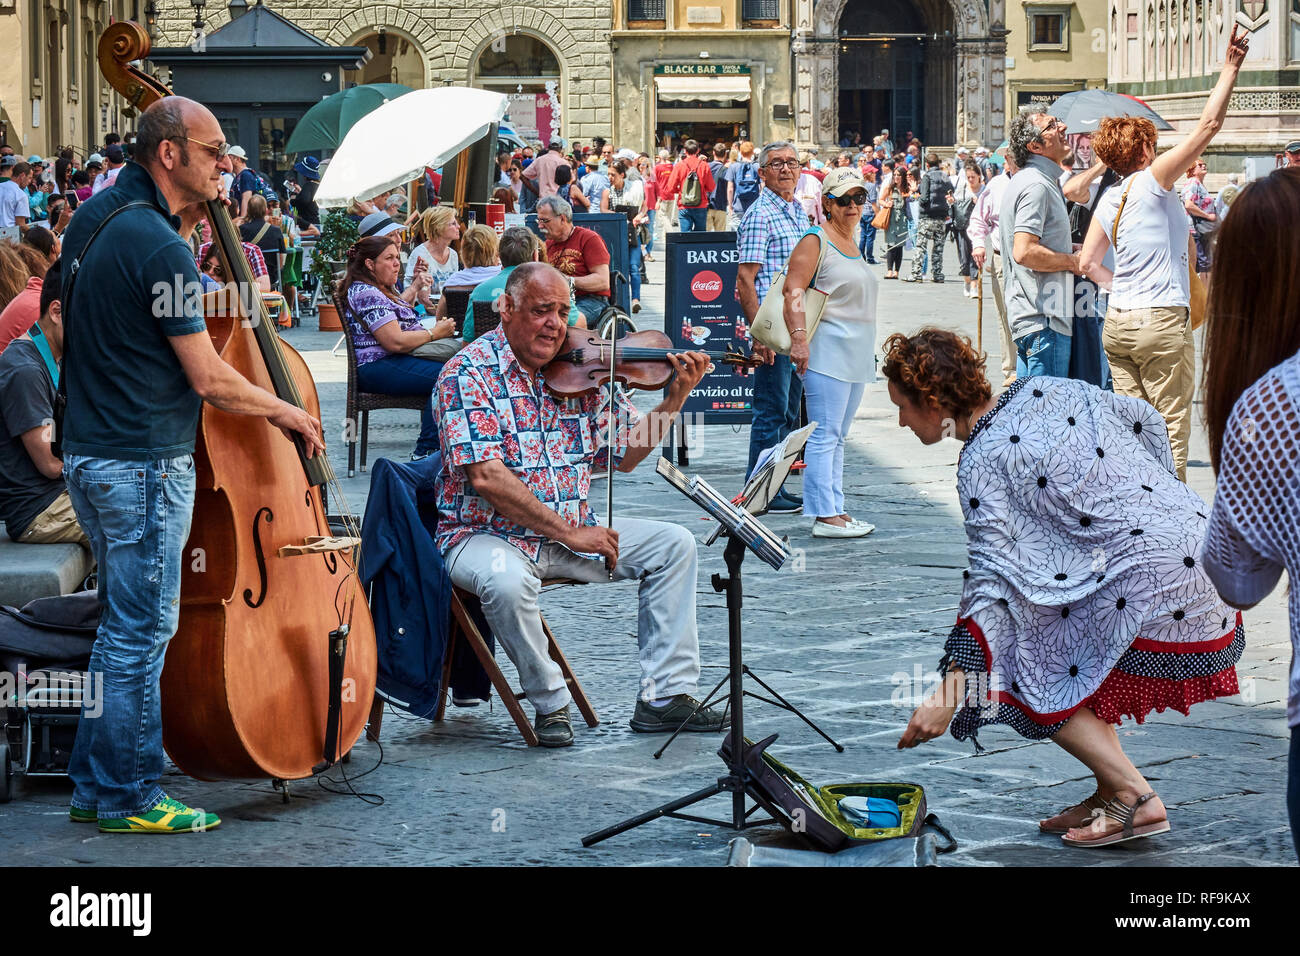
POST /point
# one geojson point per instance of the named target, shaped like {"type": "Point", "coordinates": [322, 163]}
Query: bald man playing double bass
{"type": "Point", "coordinates": [513, 509]}
{"type": "Point", "coordinates": [138, 363]}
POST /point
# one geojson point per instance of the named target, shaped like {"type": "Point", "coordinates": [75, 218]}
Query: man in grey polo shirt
{"type": "Point", "coordinates": [1038, 282]}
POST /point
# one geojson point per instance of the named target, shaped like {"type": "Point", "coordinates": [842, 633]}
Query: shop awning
{"type": "Point", "coordinates": [706, 89]}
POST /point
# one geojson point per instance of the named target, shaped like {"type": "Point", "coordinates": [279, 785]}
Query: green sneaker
{"type": "Point", "coordinates": [78, 815]}
{"type": "Point", "coordinates": [167, 816]}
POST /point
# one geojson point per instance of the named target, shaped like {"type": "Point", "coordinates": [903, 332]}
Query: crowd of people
{"type": "Point", "coordinates": [1082, 449]}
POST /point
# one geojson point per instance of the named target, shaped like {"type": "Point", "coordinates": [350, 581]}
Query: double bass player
{"type": "Point", "coordinates": [137, 370]}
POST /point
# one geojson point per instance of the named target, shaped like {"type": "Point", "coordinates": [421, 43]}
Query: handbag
{"type": "Point", "coordinates": [881, 219]}
{"type": "Point", "coordinates": [1197, 297]}
{"type": "Point", "coordinates": [768, 327]}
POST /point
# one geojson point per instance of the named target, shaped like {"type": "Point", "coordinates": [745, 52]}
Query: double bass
{"type": "Point", "coordinates": [272, 669]}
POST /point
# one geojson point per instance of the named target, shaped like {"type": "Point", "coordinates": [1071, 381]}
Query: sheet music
{"type": "Point", "coordinates": [737, 521]}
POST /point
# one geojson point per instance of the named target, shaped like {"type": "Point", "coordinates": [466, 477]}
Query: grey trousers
{"type": "Point", "coordinates": [658, 554]}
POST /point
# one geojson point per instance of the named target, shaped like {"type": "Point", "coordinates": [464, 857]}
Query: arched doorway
{"type": "Point", "coordinates": [525, 68]}
{"type": "Point", "coordinates": [394, 58]}
{"type": "Point", "coordinates": [896, 70]}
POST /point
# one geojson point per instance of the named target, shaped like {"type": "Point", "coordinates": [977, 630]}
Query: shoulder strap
{"type": "Point", "coordinates": [260, 233]}
{"type": "Point", "coordinates": [73, 268]}
{"type": "Point", "coordinates": [1114, 230]}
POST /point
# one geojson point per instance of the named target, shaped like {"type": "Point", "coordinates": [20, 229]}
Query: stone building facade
{"type": "Point", "coordinates": [935, 67]}
{"type": "Point", "coordinates": [1170, 52]}
{"type": "Point", "coordinates": [445, 42]}
{"type": "Point", "coordinates": [52, 93]}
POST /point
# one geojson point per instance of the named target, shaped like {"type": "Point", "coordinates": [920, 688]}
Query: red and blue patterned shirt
{"type": "Point", "coordinates": [490, 408]}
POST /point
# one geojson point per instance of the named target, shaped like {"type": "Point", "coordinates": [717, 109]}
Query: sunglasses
{"type": "Point", "coordinates": [219, 149]}
{"type": "Point", "coordinates": [853, 199]}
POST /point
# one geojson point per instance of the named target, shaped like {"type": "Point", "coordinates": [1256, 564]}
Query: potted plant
{"type": "Point", "coordinates": [337, 234]}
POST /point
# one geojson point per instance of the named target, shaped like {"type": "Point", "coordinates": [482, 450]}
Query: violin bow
{"type": "Point", "coordinates": [609, 431]}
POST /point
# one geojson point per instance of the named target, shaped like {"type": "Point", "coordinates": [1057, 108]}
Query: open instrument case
{"type": "Point", "coordinates": [813, 814]}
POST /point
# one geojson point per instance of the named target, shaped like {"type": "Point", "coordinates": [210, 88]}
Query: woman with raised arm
{"type": "Point", "coordinates": [1148, 333]}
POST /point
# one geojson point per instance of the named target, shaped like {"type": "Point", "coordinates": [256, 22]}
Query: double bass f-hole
{"type": "Point", "coordinates": [261, 557]}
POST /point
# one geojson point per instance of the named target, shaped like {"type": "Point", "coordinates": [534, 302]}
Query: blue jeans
{"type": "Point", "coordinates": [777, 391]}
{"type": "Point", "coordinates": [832, 404]}
{"type": "Point", "coordinates": [867, 240]}
{"type": "Point", "coordinates": [650, 229]}
{"type": "Point", "coordinates": [591, 306]}
{"type": "Point", "coordinates": [406, 375]}
{"type": "Point", "coordinates": [1044, 352]}
{"type": "Point", "coordinates": [137, 516]}
{"type": "Point", "coordinates": [692, 220]}
{"type": "Point", "coordinates": [634, 269]}
{"type": "Point", "coordinates": [1293, 788]}
{"type": "Point", "coordinates": [1102, 302]}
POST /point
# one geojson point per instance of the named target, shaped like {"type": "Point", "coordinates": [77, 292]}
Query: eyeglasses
{"type": "Point", "coordinates": [853, 199]}
{"type": "Point", "coordinates": [1051, 125]}
{"type": "Point", "coordinates": [783, 164]}
{"type": "Point", "coordinates": [219, 149]}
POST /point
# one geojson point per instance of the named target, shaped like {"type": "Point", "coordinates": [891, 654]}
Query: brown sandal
{"type": "Point", "coordinates": [1122, 814]}
{"type": "Point", "coordinates": [1080, 815]}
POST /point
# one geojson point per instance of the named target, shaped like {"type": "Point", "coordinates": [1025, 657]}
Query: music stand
{"type": "Point", "coordinates": [769, 474]}
{"type": "Point", "coordinates": [744, 532]}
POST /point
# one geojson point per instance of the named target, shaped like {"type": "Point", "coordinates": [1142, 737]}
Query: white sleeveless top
{"type": "Point", "coordinates": [844, 345]}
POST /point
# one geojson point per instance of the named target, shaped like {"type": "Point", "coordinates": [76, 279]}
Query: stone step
{"type": "Point", "coordinates": [30, 571]}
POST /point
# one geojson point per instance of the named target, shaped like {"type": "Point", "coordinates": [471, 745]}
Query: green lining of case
{"type": "Point", "coordinates": [906, 795]}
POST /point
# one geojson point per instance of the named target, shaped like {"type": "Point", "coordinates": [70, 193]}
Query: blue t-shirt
{"type": "Point", "coordinates": [245, 182]}
{"type": "Point", "coordinates": [128, 397]}
{"type": "Point", "coordinates": [489, 290]}
{"type": "Point", "coordinates": [719, 198]}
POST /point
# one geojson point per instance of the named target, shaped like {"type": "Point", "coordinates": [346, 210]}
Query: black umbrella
{"type": "Point", "coordinates": [1082, 110]}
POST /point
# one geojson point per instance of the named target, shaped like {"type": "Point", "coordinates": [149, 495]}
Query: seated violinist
{"type": "Point", "coordinates": [512, 498]}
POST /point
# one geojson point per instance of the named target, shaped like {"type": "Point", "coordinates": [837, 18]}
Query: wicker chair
{"type": "Point", "coordinates": [456, 304]}
{"type": "Point", "coordinates": [486, 318]}
{"type": "Point", "coordinates": [360, 404]}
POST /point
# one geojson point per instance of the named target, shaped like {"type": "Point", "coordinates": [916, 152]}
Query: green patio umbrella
{"type": "Point", "coordinates": [325, 124]}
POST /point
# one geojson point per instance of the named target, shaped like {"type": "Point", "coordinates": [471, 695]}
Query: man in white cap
{"type": "Point", "coordinates": [245, 182]}
{"type": "Point", "coordinates": [959, 165]}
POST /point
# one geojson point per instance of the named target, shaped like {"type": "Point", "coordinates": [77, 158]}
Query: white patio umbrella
{"type": "Point", "coordinates": [393, 145]}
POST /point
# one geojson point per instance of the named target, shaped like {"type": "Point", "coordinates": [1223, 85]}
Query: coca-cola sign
{"type": "Point", "coordinates": [706, 286]}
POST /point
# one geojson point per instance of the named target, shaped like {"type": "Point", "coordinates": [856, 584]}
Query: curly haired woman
{"type": "Point", "coordinates": [1085, 599]}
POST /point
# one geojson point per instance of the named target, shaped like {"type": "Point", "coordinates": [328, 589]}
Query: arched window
{"type": "Point", "coordinates": [393, 59]}
{"type": "Point", "coordinates": [519, 63]}
{"type": "Point", "coordinates": [1295, 30]}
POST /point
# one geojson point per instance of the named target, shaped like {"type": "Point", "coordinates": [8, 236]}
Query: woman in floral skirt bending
{"type": "Point", "coordinates": [1085, 600]}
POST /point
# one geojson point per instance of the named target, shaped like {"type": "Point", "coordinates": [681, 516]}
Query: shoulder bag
{"type": "Point", "coordinates": [768, 327]}
{"type": "Point", "coordinates": [881, 219]}
{"type": "Point", "coordinates": [1197, 297]}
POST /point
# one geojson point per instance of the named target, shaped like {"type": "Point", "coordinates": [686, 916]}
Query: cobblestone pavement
{"type": "Point", "coordinates": [842, 638]}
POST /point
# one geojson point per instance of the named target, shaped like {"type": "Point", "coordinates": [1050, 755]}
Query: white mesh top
{"type": "Point", "coordinates": [1254, 529]}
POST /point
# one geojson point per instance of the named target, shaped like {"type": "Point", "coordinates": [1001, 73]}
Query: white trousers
{"type": "Point", "coordinates": [658, 554]}
{"type": "Point", "coordinates": [832, 404]}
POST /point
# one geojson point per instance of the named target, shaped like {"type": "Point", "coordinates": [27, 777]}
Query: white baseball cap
{"type": "Point", "coordinates": [963, 151]}
{"type": "Point", "coordinates": [237, 151]}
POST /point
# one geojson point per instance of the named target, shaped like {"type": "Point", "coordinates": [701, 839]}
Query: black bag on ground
{"type": "Point", "coordinates": [812, 813]}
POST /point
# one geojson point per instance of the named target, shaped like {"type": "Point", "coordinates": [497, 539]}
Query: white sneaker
{"type": "Point", "coordinates": [821, 529]}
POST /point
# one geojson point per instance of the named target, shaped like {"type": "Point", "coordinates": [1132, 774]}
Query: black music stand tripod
{"type": "Point", "coordinates": [738, 781]}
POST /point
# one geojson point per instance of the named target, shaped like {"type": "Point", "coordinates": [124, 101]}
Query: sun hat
{"type": "Point", "coordinates": [308, 166]}
{"type": "Point", "coordinates": [378, 224]}
{"type": "Point", "coordinates": [842, 180]}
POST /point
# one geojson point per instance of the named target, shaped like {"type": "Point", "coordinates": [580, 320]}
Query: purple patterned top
{"type": "Point", "coordinates": [368, 309]}
{"type": "Point", "coordinates": [489, 407]}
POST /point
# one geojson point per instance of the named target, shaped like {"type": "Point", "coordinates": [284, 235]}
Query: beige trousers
{"type": "Point", "coordinates": [716, 220]}
{"type": "Point", "coordinates": [55, 525]}
{"type": "Point", "coordinates": [1153, 357]}
{"type": "Point", "coordinates": [1005, 341]}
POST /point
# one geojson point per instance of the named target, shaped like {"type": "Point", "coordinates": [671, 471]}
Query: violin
{"type": "Point", "coordinates": [639, 360]}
